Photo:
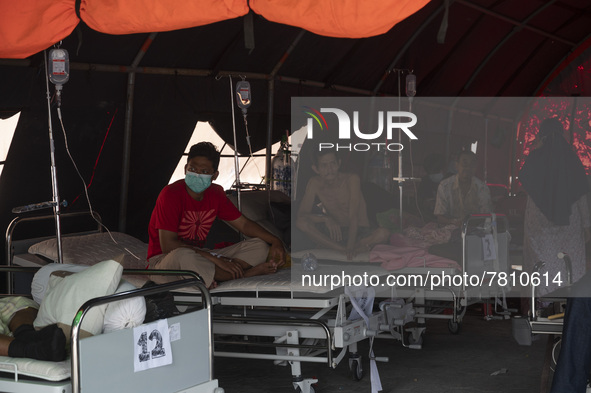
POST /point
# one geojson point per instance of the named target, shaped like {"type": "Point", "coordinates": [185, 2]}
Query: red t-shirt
{"type": "Point", "coordinates": [176, 211]}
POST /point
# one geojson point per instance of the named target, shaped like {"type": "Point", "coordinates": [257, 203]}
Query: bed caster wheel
{"type": "Point", "coordinates": [299, 390]}
{"type": "Point", "coordinates": [356, 369]}
{"type": "Point", "coordinates": [304, 385]}
{"type": "Point", "coordinates": [453, 326]}
{"type": "Point", "coordinates": [410, 339]}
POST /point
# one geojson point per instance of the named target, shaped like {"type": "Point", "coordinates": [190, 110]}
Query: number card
{"type": "Point", "coordinates": [488, 247]}
{"type": "Point", "coordinates": [152, 346]}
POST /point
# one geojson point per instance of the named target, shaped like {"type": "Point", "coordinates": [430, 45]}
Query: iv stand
{"type": "Point", "coordinates": [401, 179]}
{"type": "Point", "coordinates": [56, 199]}
{"type": "Point", "coordinates": [236, 163]}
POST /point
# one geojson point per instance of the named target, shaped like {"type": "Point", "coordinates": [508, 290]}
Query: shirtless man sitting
{"type": "Point", "coordinates": [343, 224]}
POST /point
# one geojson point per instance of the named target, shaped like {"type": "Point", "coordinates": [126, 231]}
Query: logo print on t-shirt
{"type": "Point", "coordinates": [195, 225]}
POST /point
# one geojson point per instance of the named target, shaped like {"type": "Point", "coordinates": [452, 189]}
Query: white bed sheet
{"type": "Point", "coordinates": [49, 371]}
{"type": "Point", "coordinates": [289, 281]}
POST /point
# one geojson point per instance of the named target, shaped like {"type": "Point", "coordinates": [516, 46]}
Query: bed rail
{"type": "Point", "coordinates": [9, 238]}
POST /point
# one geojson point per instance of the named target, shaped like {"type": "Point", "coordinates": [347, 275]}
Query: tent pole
{"type": "Point", "coordinates": [127, 131]}
{"type": "Point", "coordinates": [126, 152]}
{"type": "Point", "coordinates": [271, 87]}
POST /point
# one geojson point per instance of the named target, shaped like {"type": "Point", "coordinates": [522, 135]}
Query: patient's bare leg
{"type": "Point", "coordinates": [4, 344]}
{"type": "Point", "coordinates": [261, 269]}
{"type": "Point", "coordinates": [21, 317]}
{"type": "Point", "coordinates": [310, 229]}
{"type": "Point", "coordinates": [249, 270]}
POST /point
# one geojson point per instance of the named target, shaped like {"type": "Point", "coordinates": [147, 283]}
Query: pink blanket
{"type": "Point", "coordinates": [395, 257]}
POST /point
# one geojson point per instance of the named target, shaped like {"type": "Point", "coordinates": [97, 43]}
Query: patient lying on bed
{"type": "Point", "coordinates": [18, 337]}
{"type": "Point", "coordinates": [183, 215]}
{"type": "Point", "coordinates": [343, 224]}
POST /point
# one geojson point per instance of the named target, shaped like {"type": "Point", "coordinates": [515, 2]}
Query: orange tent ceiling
{"type": "Point", "coordinates": [27, 27]}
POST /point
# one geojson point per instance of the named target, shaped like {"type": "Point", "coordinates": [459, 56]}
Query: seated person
{"type": "Point", "coordinates": [18, 337]}
{"type": "Point", "coordinates": [183, 215]}
{"type": "Point", "coordinates": [343, 225]}
{"type": "Point", "coordinates": [457, 197]}
{"type": "Point", "coordinates": [462, 194]}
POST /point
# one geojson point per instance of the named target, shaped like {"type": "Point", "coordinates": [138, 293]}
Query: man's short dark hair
{"type": "Point", "coordinates": [207, 150]}
{"type": "Point", "coordinates": [468, 153]}
{"type": "Point", "coordinates": [316, 154]}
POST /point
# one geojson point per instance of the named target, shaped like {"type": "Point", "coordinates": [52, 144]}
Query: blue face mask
{"type": "Point", "coordinates": [197, 182]}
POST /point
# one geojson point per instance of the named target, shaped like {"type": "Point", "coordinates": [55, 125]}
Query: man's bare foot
{"type": "Point", "coordinates": [261, 269]}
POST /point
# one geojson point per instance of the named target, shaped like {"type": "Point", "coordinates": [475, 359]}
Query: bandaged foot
{"type": "Point", "coordinates": [48, 343]}
{"type": "Point", "coordinates": [25, 332]}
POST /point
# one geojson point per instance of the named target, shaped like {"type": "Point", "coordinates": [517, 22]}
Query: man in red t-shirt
{"type": "Point", "coordinates": [183, 215]}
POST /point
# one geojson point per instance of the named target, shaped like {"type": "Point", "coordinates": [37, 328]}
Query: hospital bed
{"type": "Point", "coordinates": [291, 322]}
{"type": "Point", "coordinates": [106, 362]}
{"type": "Point", "coordinates": [311, 323]}
{"type": "Point", "coordinates": [307, 322]}
{"type": "Point", "coordinates": [485, 257]}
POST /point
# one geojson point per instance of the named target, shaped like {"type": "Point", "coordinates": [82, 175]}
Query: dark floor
{"type": "Point", "coordinates": [447, 363]}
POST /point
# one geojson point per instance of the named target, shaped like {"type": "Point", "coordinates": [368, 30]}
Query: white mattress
{"type": "Point", "coordinates": [49, 371]}
{"type": "Point", "coordinates": [281, 281]}
{"type": "Point", "coordinates": [290, 280]}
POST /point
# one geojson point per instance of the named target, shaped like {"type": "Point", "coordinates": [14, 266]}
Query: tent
{"type": "Point", "coordinates": [143, 73]}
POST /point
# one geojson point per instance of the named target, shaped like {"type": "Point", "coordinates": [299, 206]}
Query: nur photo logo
{"type": "Point", "coordinates": [349, 127]}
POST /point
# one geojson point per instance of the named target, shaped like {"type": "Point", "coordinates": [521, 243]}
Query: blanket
{"type": "Point", "coordinates": [396, 257]}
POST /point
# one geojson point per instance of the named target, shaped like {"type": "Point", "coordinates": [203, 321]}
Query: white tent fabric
{"type": "Point", "coordinates": [7, 128]}
{"type": "Point", "coordinates": [252, 168]}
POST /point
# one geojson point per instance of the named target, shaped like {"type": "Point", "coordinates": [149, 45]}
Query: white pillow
{"type": "Point", "coordinates": [40, 282]}
{"type": "Point", "coordinates": [125, 313]}
{"type": "Point", "coordinates": [93, 248]}
{"type": "Point", "coordinates": [66, 294]}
